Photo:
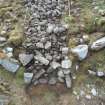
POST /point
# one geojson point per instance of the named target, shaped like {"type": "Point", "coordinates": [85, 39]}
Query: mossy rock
{"type": "Point", "coordinates": [16, 36]}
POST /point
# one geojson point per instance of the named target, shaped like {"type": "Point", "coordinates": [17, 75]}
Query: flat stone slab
{"type": "Point", "coordinates": [25, 58]}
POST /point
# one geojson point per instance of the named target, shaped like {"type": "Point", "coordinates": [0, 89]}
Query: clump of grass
{"type": "Point", "coordinates": [71, 21]}
{"type": "Point", "coordinates": [89, 20]}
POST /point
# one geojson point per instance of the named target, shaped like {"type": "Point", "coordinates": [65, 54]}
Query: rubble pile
{"type": "Point", "coordinates": [46, 41]}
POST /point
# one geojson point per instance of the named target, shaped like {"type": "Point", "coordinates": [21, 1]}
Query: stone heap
{"type": "Point", "coordinates": [46, 40]}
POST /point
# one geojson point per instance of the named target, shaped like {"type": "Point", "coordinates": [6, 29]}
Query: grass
{"type": "Point", "coordinates": [18, 79]}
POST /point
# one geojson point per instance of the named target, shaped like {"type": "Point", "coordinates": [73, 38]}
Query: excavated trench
{"type": "Point", "coordinates": [46, 40]}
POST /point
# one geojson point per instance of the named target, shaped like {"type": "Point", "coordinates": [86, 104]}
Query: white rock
{"type": "Point", "coordinates": [93, 91]}
{"type": "Point", "coordinates": [60, 73]}
{"type": "Point", "coordinates": [92, 72]}
{"type": "Point", "coordinates": [81, 51]}
{"type": "Point", "coordinates": [28, 77]}
{"type": "Point", "coordinates": [88, 97]}
{"type": "Point", "coordinates": [66, 63]}
{"type": "Point", "coordinates": [100, 73]}
{"type": "Point", "coordinates": [97, 45]}
{"type": "Point", "coordinates": [65, 50]}
{"type": "Point", "coordinates": [66, 71]}
{"type": "Point", "coordinates": [8, 49]}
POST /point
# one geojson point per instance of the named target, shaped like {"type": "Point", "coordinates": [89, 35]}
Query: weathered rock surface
{"type": "Point", "coordinates": [9, 65]}
{"type": "Point", "coordinates": [25, 58]}
{"type": "Point", "coordinates": [80, 51]}
{"type": "Point", "coordinates": [99, 44]}
{"type": "Point", "coordinates": [68, 81]}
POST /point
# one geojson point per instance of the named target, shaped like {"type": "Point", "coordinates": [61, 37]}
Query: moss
{"type": "Point", "coordinates": [16, 36]}
{"type": "Point", "coordinates": [88, 18]}
{"type": "Point", "coordinates": [17, 79]}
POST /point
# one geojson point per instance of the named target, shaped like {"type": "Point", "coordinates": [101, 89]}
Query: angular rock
{"type": "Point", "coordinates": [55, 65]}
{"type": "Point", "coordinates": [92, 72]}
{"type": "Point", "coordinates": [28, 77]}
{"type": "Point", "coordinates": [39, 45]}
{"type": "Point", "coordinates": [94, 92]}
{"type": "Point", "coordinates": [47, 45]}
{"type": "Point", "coordinates": [39, 74]}
{"type": "Point", "coordinates": [99, 44]}
{"type": "Point", "coordinates": [25, 58]}
{"type": "Point", "coordinates": [9, 65]}
{"type": "Point", "coordinates": [50, 28]}
{"type": "Point", "coordinates": [66, 63]}
{"type": "Point", "coordinates": [60, 73]}
{"type": "Point", "coordinates": [68, 81]}
{"type": "Point", "coordinates": [80, 51]}
{"type": "Point", "coordinates": [42, 59]}
{"type": "Point", "coordinates": [65, 50]}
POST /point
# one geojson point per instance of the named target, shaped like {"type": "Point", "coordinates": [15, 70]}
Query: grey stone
{"type": "Point", "coordinates": [66, 71]}
{"type": "Point", "coordinates": [94, 92]}
{"type": "Point", "coordinates": [43, 81]}
{"type": "Point", "coordinates": [97, 45]}
{"type": "Point", "coordinates": [39, 74]}
{"type": "Point", "coordinates": [100, 73]}
{"type": "Point", "coordinates": [48, 45]}
{"type": "Point", "coordinates": [9, 65]}
{"type": "Point", "coordinates": [28, 77]}
{"type": "Point", "coordinates": [66, 63]}
{"type": "Point", "coordinates": [52, 81]}
{"type": "Point", "coordinates": [68, 81]}
{"type": "Point", "coordinates": [60, 79]}
{"type": "Point", "coordinates": [25, 58]}
{"type": "Point", "coordinates": [48, 56]}
{"type": "Point", "coordinates": [65, 50]}
{"type": "Point", "coordinates": [60, 73]}
{"type": "Point", "coordinates": [42, 59]}
{"type": "Point", "coordinates": [50, 28]}
{"type": "Point", "coordinates": [39, 45]}
{"type": "Point", "coordinates": [55, 65]}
